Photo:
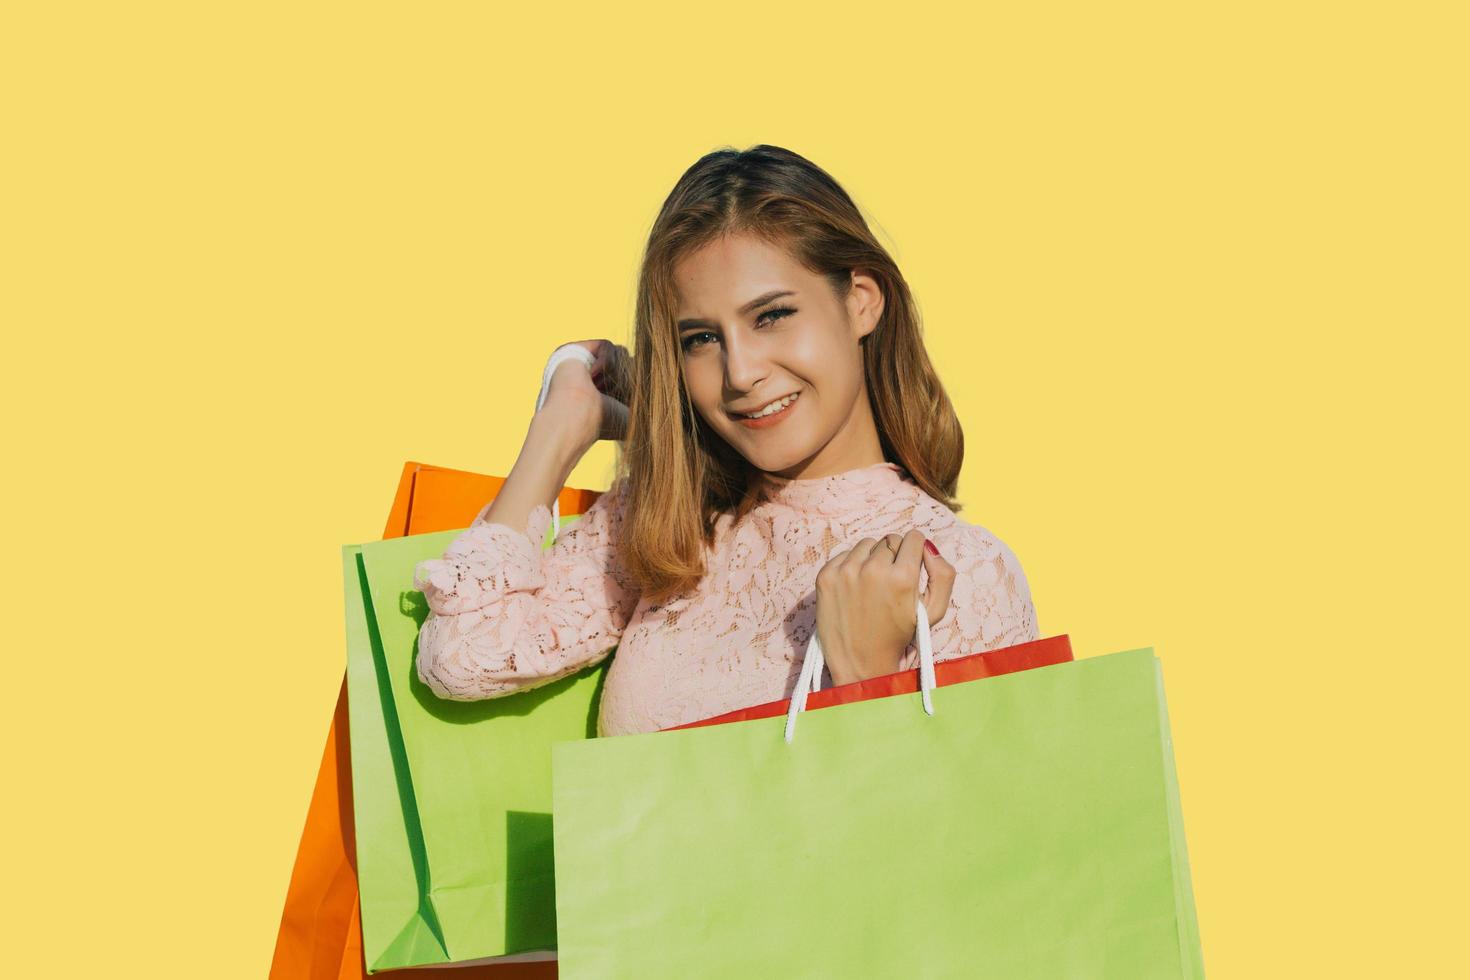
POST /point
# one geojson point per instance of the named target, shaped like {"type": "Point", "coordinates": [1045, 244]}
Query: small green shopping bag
{"type": "Point", "coordinates": [452, 798]}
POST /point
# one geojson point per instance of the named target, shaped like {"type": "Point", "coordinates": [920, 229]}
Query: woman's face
{"type": "Point", "coordinates": [758, 329]}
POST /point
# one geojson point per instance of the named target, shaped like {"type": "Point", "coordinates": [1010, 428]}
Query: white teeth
{"type": "Point", "coordinates": [774, 407]}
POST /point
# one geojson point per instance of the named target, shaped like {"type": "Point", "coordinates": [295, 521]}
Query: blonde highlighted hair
{"type": "Point", "coordinates": [679, 474]}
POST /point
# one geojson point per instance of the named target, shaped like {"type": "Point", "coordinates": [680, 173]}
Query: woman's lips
{"type": "Point", "coordinates": [766, 421]}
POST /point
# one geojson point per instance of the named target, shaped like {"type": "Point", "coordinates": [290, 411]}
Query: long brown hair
{"type": "Point", "coordinates": [680, 475]}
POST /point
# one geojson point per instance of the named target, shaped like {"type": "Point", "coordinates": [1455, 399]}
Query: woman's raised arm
{"type": "Point", "coordinates": [581, 407]}
{"type": "Point", "coordinates": [506, 616]}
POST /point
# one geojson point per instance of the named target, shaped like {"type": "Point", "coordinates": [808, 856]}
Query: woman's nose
{"type": "Point", "coordinates": [746, 364]}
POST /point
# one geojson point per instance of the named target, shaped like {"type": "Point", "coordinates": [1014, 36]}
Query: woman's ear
{"type": "Point", "coordinates": [864, 303]}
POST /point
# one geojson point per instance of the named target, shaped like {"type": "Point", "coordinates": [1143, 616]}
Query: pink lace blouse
{"type": "Point", "coordinates": [506, 616]}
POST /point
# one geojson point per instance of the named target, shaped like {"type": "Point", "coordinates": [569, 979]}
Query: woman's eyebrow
{"type": "Point", "coordinates": [753, 304]}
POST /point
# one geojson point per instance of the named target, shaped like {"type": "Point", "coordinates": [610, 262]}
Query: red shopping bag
{"type": "Point", "coordinates": [987, 663]}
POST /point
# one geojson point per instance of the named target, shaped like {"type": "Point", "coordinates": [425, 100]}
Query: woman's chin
{"type": "Point", "coordinates": [773, 450]}
{"type": "Point", "coordinates": [772, 459]}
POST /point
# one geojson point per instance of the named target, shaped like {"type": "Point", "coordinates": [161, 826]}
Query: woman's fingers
{"type": "Point", "coordinates": [859, 553]}
{"type": "Point", "coordinates": [899, 558]}
{"type": "Point", "coordinates": [902, 557]}
{"type": "Point", "coordinates": [880, 551]}
{"type": "Point", "coordinates": [612, 371]}
{"type": "Point", "coordinates": [614, 419]}
{"type": "Point", "coordinates": [940, 585]}
{"type": "Point", "coordinates": [908, 553]}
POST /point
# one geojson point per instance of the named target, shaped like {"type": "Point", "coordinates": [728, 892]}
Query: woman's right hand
{"type": "Point", "coordinates": [594, 400]}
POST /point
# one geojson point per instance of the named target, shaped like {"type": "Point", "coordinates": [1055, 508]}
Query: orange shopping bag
{"type": "Point", "coordinates": [320, 937]}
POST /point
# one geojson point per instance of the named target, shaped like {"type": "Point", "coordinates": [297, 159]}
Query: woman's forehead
{"type": "Point", "coordinates": [732, 277]}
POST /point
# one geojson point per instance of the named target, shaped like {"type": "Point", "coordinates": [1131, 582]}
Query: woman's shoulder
{"type": "Point", "coordinates": [991, 591]}
{"type": "Point", "coordinates": [963, 544]}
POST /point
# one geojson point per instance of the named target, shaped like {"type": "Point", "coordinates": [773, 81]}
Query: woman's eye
{"type": "Point", "coordinates": [692, 341]}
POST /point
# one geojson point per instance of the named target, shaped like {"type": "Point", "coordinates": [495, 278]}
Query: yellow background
{"type": "Point", "coordinates": [1195, 276]}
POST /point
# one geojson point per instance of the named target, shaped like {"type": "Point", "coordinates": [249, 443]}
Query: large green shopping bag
{"type": "Point", "coordinates": [1029, 828]}
{"type": "Point", "coordinates": [452, 799]}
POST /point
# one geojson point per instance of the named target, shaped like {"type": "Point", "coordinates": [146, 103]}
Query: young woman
{"type": "Point", "coordinates": [788, 464]}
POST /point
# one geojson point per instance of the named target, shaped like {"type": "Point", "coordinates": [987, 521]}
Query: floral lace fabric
{"type": "Point", "coordinates": [508, 616]}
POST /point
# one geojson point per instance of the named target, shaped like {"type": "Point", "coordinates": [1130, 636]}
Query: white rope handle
{"type": "Point", "coordinates": [566, 352]}
{"type": "Point", "coordinates": [813, 662]}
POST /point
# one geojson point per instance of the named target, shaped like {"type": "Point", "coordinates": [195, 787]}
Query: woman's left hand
{"type": "Point", "coordinates": [865, 603]}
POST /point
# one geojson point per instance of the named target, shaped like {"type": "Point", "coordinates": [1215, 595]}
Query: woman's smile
{"type": "Point", "coordinates": [772, 413]}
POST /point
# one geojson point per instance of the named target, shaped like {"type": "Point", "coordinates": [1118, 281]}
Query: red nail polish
{"type": "Point", "coordinates": [930, 546]}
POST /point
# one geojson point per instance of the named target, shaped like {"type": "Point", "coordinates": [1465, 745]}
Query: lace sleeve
{"type": "Point", "coordinates": [990, 606]}
{"type": "Point", "coordinates": [507, 616]}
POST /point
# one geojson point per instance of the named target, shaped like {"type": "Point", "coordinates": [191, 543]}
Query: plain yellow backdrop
{"type": "Point", "coordinates": [1195, 276]}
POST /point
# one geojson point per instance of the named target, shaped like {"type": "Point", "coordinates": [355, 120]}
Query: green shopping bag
{"type": "Point", "coordinates": [452, 799]}
{"type": "Point", "coordinates": [1029, 828]}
